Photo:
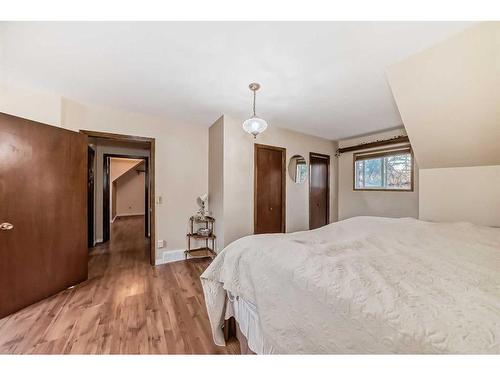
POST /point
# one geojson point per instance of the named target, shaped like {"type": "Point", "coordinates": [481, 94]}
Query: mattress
{"type": "Point", "coordinates": [362, 285]}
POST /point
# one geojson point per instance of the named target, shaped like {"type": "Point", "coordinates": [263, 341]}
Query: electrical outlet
{"type": "Point", "coordinates": [161, 244]}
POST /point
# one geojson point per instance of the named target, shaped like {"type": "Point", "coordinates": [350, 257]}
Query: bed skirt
{"type": "Point", "coordinates": [232, 330]}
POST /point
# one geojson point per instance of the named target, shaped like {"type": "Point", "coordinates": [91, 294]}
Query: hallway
{"type": "Point", "coordinates": [126, 306]}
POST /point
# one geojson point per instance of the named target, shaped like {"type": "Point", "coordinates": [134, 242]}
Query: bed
{"type": "Point", "coordinates": [362, 285]}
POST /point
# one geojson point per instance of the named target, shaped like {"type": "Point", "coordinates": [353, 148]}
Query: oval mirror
{"type": "Point", "coordinates": [297, 169]}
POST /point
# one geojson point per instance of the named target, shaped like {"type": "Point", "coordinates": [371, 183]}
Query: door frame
{"type": "Point", "coordinates": [258, 146]}
{"type": "Point", "coordinates": [327, 158]}
{"type": "Point", "coordinates": [150, 142]}
{"type": "Point", "coordinates": [106, 219]}
{"type": "Point", "coordinates": [90, 197]}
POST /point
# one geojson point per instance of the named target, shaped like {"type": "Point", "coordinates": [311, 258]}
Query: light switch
{"type": "Point", "coordinates": [159, 199]}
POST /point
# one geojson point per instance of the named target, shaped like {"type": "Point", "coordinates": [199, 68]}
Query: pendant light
{"type": "Point", "coordinates": [254, 125]}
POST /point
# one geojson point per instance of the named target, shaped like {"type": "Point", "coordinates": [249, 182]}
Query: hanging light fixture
{"type": "Point", "coordinates": [254, 125]}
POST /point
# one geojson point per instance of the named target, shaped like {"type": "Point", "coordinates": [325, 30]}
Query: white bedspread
{"type": "Point", "coordinates": [366, 285]}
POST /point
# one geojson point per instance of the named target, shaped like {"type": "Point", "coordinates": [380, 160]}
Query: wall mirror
{"type": "Point", "coordinates": [297, 169]}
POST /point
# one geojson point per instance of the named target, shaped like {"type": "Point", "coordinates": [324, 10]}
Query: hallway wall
{"type": "Point", "coordinates": [130, 193]}
{"type": "Point", "coordinates": [118, 168]}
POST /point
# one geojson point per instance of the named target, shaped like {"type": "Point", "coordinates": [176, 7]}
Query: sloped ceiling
{"type": "Point", "coordinates": [449, 99]}
{"type": "Point", "coordinates": [120, 167]}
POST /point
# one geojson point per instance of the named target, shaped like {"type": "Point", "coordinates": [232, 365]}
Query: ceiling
{"type": "Point", "coordinates": [321, 78]}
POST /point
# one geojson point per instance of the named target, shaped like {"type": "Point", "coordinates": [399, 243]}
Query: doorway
{"type": "Point", "coordinates": [269, 189]}
{"type": "Point", "coordinates": [319, 190]}
{"type": "Point", "coordinates": [120, 147]}
{"type": "Point", "coordinates": [113, 184]}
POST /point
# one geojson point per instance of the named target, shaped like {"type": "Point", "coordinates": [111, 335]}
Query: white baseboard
{"type": "Point", "coordinates": [97, 240]}
{"type": "Point", "coordinates": [170, 256]}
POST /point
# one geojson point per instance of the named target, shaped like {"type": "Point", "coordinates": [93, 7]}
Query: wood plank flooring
{"type": "Point", "coordinates": [126, 307]}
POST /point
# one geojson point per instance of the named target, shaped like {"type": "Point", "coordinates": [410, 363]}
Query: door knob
{"type": "Point", "coordinates": [270, 208]}
{"type": "Point", "coordinates": [6, 226]}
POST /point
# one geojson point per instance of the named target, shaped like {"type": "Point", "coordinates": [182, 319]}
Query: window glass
{"type": "Point", "coordinates": [390, 170]}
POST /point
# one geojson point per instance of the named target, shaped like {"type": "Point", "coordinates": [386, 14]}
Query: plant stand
{"type": "Point", "coordinates": [193, 238]}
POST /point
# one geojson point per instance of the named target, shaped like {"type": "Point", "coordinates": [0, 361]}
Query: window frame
{"type": "Point", "coordinates": [379, 153]}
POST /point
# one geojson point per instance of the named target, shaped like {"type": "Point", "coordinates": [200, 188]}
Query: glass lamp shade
{"type": "Point", "coordinates": [255, 126]}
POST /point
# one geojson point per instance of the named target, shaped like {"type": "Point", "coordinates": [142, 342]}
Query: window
{"type": "Point", "coordinates": [384, 170]}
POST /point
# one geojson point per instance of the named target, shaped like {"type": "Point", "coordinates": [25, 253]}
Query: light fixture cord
{"type": "Point", "coordinates": [254, 102]}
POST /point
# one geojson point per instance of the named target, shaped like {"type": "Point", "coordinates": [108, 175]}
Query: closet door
{"type": "Point", "coordinates": [43, 211]}
{"type": "Point", "coordinates": [319, 190]}
{"type": "Point", "coordinates": [269, 189]}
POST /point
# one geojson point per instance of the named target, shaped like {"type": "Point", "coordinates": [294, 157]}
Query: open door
{"type": "Point", "coordinates": [43, 211]}
{"type": "Point", "coordinates": [319, 190]}
{"type": "Point", "coordinates": [90, 196]}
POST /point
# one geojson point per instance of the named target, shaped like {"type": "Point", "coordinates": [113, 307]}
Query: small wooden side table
{"type": "Point", "coordinates": [193, 237]}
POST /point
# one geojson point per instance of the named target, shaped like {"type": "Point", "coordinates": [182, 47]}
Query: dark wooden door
{"type": "Point", "coordinates": [269, 189]}
{"type": "Point", "coordinates": [90, 196]}
{"type": "Point", "coordinates": [319, 190]}
{"type": "Point", "coordinates": [43, 195]}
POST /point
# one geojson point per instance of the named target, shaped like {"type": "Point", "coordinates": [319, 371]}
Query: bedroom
{"type": "Point", "coordinates": [305, 187]}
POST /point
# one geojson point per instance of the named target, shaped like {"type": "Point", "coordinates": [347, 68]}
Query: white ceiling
{"type": "Point", "coordinates": [322, 78]}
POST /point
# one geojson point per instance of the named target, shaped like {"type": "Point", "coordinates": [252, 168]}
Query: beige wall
{"type": "Point", "coordinates": [239, 177]}
{"type": "Point", "coordinates": [461, 194]}
{"type": "Point", "coordinates": [102, 147]}
{"type": "Point", "coordinates": [181, 150]}
{"type": "Point", "coordinates": [130, 193]}
{"type": "Point", "coordinates": [449, 96]}
{"type": "Point", "coordinates": [372, 203]}
{"type": "Point", "coordinates": [34, 105]}
{"type": "Point", "coordinates": [216, 178]}
{"type": "Point", "coordinates": [181, 161]}
{"type": "Point", "coordinates": [117, 167]}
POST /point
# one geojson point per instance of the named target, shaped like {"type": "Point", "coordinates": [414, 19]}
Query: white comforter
{"type": "Point", "coordinates": [366, 285]}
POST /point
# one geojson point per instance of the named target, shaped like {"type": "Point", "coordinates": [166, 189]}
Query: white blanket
{"type": "Point", "coordinates": [366, 285]}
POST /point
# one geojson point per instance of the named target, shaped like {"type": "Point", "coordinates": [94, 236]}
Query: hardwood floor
{"type": "Point", "coordinates": [126, 306]}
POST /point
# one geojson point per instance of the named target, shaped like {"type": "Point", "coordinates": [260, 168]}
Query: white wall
{"type": "Point", "coordinates": [372, 203]}
{"type": "Point", "coordinates": [461, 194]}
{"type": "Point", "coordinates": [239, 177]}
